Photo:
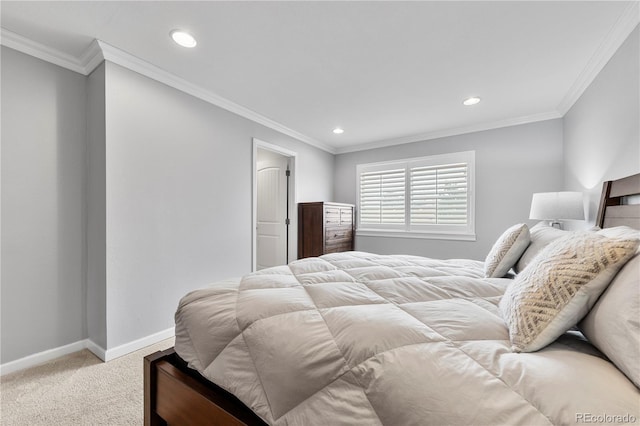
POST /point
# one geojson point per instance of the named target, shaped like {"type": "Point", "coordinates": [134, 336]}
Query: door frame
{"type": "Point", "coordinates": [293, 199]}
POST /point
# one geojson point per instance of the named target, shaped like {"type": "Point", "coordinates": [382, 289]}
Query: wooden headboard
{"type": "Point", "coordinates": [615, 209]}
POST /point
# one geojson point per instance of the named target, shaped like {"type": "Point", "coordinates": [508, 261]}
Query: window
{"type": "Point", "coordinates": [429, 197]}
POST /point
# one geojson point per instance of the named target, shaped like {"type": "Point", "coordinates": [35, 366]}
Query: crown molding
{"type": "Point", "coordinates": [91, 58]}
{"type": "Point", "coordinates": [451, 132]}
{"type": "Point", "coordinates": [133, 63]}
{"type": "Point", "coordinates": [626, 23]}
{"type": "Point", "coordinates": [99, 51]}
{"type": "Point", "coordinates": [40, 51]}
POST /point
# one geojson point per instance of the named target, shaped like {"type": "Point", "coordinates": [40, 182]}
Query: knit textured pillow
{"type": "Point", "coordinates": [506, 251]}
{"type": "Point", "coordinates": [559, 287]}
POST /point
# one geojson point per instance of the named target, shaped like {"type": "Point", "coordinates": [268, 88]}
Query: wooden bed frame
{"type": "Point", "coordinates": [177, 394]}
{"type": "Point", "coordinates": [614, 208]}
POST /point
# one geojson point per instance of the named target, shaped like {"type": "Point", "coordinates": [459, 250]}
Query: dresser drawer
{"type": "Point", "coordinates": [346, 216]}
{"type": "Point", "coordinates": [332, 216]}
{"type": "Point", "coordinates": [337, 235]}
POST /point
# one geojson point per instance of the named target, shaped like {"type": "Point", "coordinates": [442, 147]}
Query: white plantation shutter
{"type": "Point", "coordinates": [382, 197]}
{"type": "Point", "coordinates": [428, 195]}
{"type": "Point", "coordinates": [439, 194]}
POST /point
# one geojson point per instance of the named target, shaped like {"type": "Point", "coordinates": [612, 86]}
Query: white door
{"type": "Point", "coordinates": [271, 229]}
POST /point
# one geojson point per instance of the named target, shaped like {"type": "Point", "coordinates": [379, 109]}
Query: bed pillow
{"type": "Point", "coordinates": [620, 232]}
{"type": "Point", "coordinates": [506, 251]}
{"type": "Point", "coordinates": [612, 324]}
{"type": "Point", "coordinates": [557, 289]}
{"type": "Point", "coordinates": [541, 235]}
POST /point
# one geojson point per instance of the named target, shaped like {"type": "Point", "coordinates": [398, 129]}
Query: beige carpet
{"type": "Point", "coordinates": [77, 389]}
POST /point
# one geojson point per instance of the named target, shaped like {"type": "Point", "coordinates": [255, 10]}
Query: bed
{"type": "Point", "coordinates": [359, 338]}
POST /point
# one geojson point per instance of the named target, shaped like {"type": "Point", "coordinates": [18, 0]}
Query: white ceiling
{"type": "Point", "coordinates": [386, 72]}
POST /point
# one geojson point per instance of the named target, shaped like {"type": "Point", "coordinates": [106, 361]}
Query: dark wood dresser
{"type": "Point", "coordinates": [324, 228]}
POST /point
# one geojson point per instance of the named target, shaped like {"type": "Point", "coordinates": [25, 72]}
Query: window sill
{"type": "Point", "coordinates": [415, 234]}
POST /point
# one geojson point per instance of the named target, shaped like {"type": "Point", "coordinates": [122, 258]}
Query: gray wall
{"type": "Point", "coordinates": [179, 198]}
{"type": "Point", "coordinates": [601, 130]}
{"type": "Point", "coordinates": [511, 164]}
{"type": "Point", "coordinates": [96, 209]}
{"type": "Point", "coordinates": [119, 195]}
{"type": "Point", "coordinates": [43, 233]}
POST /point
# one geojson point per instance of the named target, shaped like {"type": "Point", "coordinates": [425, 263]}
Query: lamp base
{"type": "Point", "coordinates": [555, 224]}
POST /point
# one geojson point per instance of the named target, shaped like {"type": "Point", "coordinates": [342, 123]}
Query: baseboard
{"type": "Point", "coordinates": [100, 352]}
{"type": "Point", "coordinates": [96, 349]}
{"type": "Point", "coordinates": [41, 357]}
{"type": "Point", "coordinates": [127, 348]}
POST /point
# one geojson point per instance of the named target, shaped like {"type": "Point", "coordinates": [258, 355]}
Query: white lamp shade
{"type": "Point", "coordinates": [557, 205]}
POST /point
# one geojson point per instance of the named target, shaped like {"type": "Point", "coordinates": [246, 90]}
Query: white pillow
{"type": "Point", "coordinates": [557, 289]}
{"type": "Point", "coordinates": [506, 251]}
{"type": "Point", "coordinates": [541, 235]}
{"type": "Point", "coordinates": [613, 324]}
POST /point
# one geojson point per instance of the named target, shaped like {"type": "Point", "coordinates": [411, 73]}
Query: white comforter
{"type": "Point", "coordinates": [356, 338]}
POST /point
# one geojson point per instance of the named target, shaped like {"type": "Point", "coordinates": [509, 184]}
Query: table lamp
{"type": "Point", "coordinates": [553, 206]}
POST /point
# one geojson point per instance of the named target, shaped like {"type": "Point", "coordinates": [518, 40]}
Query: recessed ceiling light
{"type": "Point", "coordinates": [183, 38]}
{"type": "Point", "coordinates": [471, 101]}
{"type": "Point", "coordinates": [338, 131]}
